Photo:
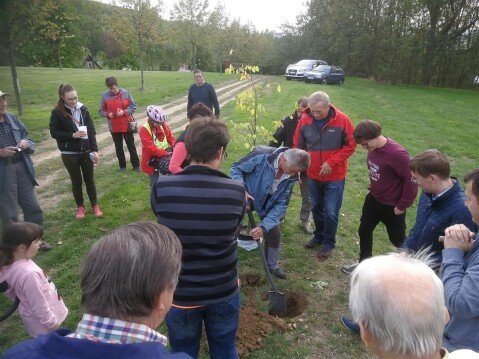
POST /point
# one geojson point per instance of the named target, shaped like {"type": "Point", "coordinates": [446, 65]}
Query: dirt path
{"type": "Point", "coordinates": [47, 154]}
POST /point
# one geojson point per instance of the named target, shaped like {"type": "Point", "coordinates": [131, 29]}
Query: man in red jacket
{"type": "Point", "coordinates": [327, 135]}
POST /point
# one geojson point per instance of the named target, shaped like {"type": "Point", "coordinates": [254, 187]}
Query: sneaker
{"type": "Point", "coordinates": [323, 254]}
{"type": "Point", "coordinates": [351, 325]}
{"type": "Point", "coordinates": [278, 273]}
{"type": "Point", "coordinates": [136, 169]}
{"type": "Point", "coordinates": [97, 211]}
{"type": "Point", "coordinates": [45, 247]}
{"type": "Point", "coordinates": [307, 228]}
{"type": "Point", "coordinates": [80, 212]}
{"type": "Point", "coordinates": [311, 244]}
{"type": "Point", "coordinates": [122, 169]}
{"type": "Point", "coordinates": [349, 269]}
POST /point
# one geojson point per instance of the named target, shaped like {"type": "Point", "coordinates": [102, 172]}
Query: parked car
{"type": "Point", "coordinates": [297, 70]}
{"type": "Point", "coordinates": [325, 74]}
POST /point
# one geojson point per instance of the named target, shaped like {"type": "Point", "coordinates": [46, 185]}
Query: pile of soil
{"type": "Point", "coordinates": [254, 324]}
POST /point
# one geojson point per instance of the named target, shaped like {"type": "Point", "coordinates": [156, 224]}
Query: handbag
{"type": "Point", "coordinates": [161, 164]}
{"type": "Point", "coordinates": [132, 125]}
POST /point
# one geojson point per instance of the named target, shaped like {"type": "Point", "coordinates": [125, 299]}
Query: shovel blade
{"type": "Point", "coordinates": [277, 303]}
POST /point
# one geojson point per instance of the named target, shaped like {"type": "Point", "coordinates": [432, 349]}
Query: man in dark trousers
{"type": "Point", "coordinates": [17, 181]}
{"type": "Point", "coordinates": [284, 137]}
{"type": "Point", "coordinates": [204, 207]}
{"type": "Point", "coordinates": [203, 92]}
{"type": "Point", "coordinates": [391, 190]}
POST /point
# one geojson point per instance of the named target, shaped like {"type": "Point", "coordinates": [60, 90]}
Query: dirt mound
{"type": "Point", "coordinates": [255, 325]}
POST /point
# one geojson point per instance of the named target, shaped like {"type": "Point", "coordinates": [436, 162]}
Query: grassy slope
{"type": "Point", "coordinates": [417, 117]}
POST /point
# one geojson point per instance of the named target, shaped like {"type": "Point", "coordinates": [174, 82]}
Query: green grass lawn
{"type": "Point", "coordinates": [417, 117]}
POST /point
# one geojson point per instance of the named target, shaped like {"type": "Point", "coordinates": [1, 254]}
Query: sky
{"type": "Point", "coordinates": [263, 14]}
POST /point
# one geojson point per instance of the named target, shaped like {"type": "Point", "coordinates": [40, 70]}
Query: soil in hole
{"type": "Point", "coordinates": [254, 325]}
{"type": "Point", "coordinates": [295, 303]}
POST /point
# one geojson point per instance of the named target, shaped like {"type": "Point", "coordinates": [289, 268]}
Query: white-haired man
{"type": "Point", "coordinates": [269, 175]}
{"type": "Point", "coordinates": [398, 302]}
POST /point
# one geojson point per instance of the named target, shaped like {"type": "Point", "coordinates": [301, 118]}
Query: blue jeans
{"type": "Point", "coordinates": [221, 323]}
{"type": "Point", "coordinates": [327, 198]}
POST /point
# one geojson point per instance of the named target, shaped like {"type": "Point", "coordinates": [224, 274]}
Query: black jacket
{"type": "Point", "coordinates": [62, 128]}
{"type": "Point", "coordinates": [284, 134]}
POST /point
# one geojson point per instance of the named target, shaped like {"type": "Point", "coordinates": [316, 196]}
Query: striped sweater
{"type": "Point", "coordinates": [204, 207]}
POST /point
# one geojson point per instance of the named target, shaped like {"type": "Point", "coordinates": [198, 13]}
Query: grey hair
{"type": "Point", "coordinates": [125, 271]}
{"type": "Point", "coordinates": [400, 301]}
{"type": "Point", "coordinates": [319, 97]}
{"type": "Point", "coordinates": [303, 101]}
{"type": "Point", "coordinates": [297, 158]}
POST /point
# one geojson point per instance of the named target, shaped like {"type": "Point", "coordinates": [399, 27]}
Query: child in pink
{"type": "Point", "coordinates": [41, 307]}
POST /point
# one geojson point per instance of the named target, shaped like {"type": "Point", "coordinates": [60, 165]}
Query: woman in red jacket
{"type": "Point", "coordinates": [117, 106]}
{"type": "Point", "coordinates": [157, 142]}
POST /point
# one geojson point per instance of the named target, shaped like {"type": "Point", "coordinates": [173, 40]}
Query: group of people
{"type": "Point", "coordinates": [184, 269]}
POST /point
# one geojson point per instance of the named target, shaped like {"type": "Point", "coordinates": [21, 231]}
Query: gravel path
{"type": "Point", "coordinates": [47, 157]}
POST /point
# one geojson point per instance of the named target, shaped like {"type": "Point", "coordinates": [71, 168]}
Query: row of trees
{"type": "Point", "coordinates": [431, 42]}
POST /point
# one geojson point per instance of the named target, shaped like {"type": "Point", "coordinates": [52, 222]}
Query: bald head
{"type": "Point", "coordinates": [399, 302]}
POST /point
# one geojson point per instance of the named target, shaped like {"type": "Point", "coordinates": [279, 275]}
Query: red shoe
{"type": "Point", "coordinates": [97, 211]}
{"type": "Point", "coordinates": [80, 212]}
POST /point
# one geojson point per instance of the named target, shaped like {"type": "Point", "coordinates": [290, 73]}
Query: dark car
{"type": "Point", "coordinates": [325, 74]}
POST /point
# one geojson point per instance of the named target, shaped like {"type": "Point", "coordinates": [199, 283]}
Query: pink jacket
{"type": "Point", "coordinates": [41, 307]}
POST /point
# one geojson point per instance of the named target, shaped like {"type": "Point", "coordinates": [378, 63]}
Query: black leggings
{"type": "Point", "coordinates": [77, 166]}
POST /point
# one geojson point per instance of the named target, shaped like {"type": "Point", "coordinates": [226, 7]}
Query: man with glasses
{"type": "Point", "coordinates": [391, 191]}
{"type": "Point", "coordinates": [284, 136]}
{"type": "Point", "coordinates": [327, 134]}
{"type": "Point", "coordinates": [203, 92]}
{"type": "Point", "coordinates": [441, 204]}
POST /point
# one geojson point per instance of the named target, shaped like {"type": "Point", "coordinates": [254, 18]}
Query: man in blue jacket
{"type": "Point", "coordinates": [269, 175]}
{"type": "Point", "coordinates": [441, 203]}
{"type": "Point", "coordinates": [460, 276]}
{"type": "Point", "coordinates": [127, 284]}
{"type": "Point", "coordinates": [17, 181]}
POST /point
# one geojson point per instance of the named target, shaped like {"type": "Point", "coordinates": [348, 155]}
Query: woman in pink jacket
{"type": "Point", "coordinates": [41, 308]}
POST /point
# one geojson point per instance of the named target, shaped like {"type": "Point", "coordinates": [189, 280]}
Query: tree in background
{"type": "Point", "coordinates": [189, 27]}
{"type": "Point", "coordinates": [21, 21]}
{"type": "Point", "coordinates": [136, 25]}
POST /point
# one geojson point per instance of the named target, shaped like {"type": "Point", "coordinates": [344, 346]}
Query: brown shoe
{"type": "Point", "coordinates": [323, 254]}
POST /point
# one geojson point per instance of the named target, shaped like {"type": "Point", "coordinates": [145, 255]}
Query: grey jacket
{"type": "Point", "coordinates": [20, 133]}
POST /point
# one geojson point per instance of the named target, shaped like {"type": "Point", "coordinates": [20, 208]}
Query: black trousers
{"type": "Point", "coordinates": [373, 213]}
{"type": "Point", "coordinates": [130, 144]}
{"type": "Point", "coordinates": [80, 166]}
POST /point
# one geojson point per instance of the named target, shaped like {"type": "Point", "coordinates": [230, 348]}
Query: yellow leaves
{"type": "Point", "coordinates": [279, 88]}
{"type": "Point", "coordinates": [247, 145]}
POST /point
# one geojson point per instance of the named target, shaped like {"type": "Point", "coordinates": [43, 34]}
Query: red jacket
{"type": "Point", "coordinates": [148, 147]}
{"type": "Point", "coordinates": [334, 144]}
{"type": "Point", "coordinates": [112, 103]}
